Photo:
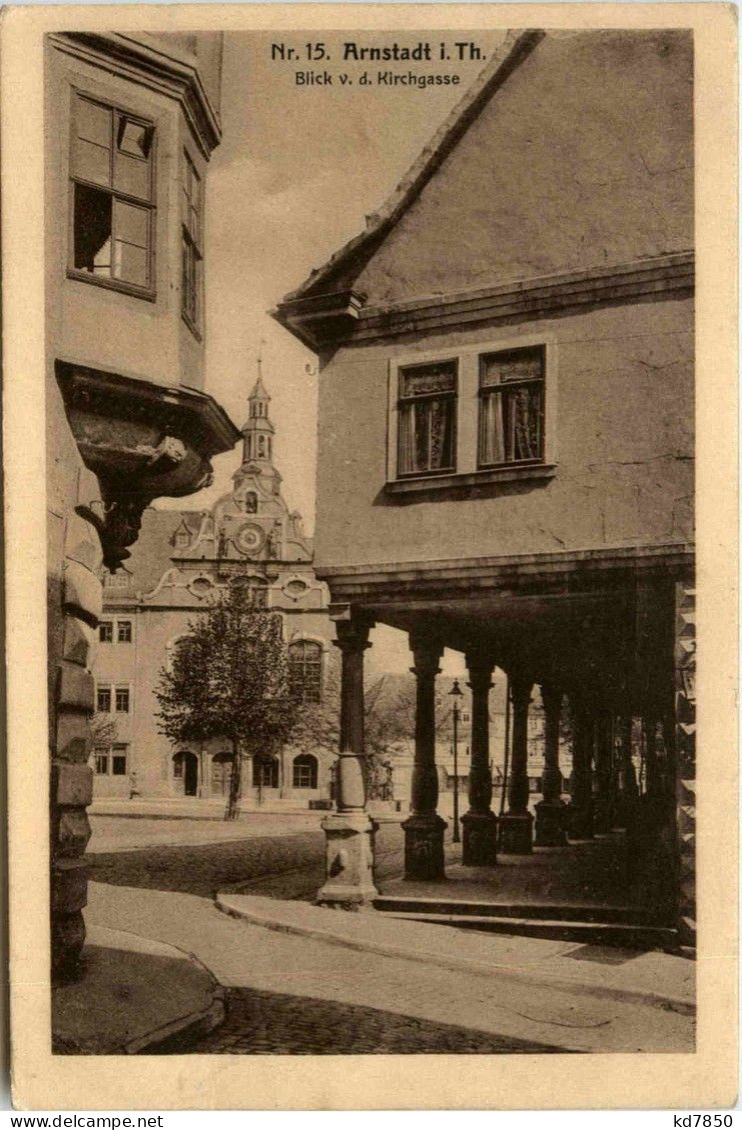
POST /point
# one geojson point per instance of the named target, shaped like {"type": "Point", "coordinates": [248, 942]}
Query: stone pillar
{"type": "Point", "coordinates": [580, 816]}
{"type": "Point", "coordinates": [516, 824]}
{"type": "Point", "coordinates": [479, 823]}
{"type": "Point", "coordinates": [72, 706]}
{"type": "Point", "coordinates": [603, 792]}
{"type": "Point", "coordinates": [424, 828]}
{"type": "Point", "coordinates": [349, 832]}
{"type": "Point", "coordinates": [550, 810]}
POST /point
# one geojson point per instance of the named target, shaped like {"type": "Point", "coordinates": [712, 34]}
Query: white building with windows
{"type": "Point", "coordinates": [248, 537]}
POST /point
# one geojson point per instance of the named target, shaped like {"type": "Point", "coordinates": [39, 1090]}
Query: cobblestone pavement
{"type": "Point", "coordinates": [279, 867]}
{"type": "Point", "coordinates": [263, 1023]}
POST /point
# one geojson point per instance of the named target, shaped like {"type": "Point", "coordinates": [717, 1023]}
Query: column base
{"type": "Point", "coordinates": [480, 839]}
{"type": "Point", "coordinates": [580, 822]}
{"type": "Point", "coordinates": [550, 824]}
{"type": "Point", "coordinates": [349, 880]}
{"type": "Point", "coordinates": [423, 846]}
{"type": "Point", "coordinates": [515, 833]}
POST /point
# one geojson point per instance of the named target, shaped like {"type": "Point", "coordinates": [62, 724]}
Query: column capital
{"type": "Point", "coordinates": [352, 635]}
{"type": "Point", "coordinates": [427, 650]}
{"type": "Point", "coordinates": [520, 688]}
{"type": "Point", "coordinates": [480, 668]}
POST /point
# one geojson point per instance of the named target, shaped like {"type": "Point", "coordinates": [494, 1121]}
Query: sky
{"type": "Point", "coordinates": [298, 169]}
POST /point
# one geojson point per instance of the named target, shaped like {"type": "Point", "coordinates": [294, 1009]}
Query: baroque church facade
{"type": "Point", "coordinates": [248, 537]}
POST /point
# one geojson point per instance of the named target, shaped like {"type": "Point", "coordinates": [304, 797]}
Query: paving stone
{"type": "Point", "coordinates": [264, 1023]}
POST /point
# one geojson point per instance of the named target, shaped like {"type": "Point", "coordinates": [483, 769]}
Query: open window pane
{"type": "Point", "coordinates": [134, 138]}
{"type": "Point", "coordinates": [92, 234]}
{"type": "Point", "coordinates": [131, 264]}
{"type": "Point", "coordinates": [132, 223]}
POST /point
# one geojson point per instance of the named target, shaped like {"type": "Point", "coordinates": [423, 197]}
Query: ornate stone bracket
{"type": "Point", "coordinates": [142, 441]}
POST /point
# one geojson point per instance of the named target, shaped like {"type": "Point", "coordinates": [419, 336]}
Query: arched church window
{"type": "Point", "coordinates": [251, 502]}
{"type": "Point", "coordinates": [305, 664]}
{"type": "Point", "coordinates": [261, 446]}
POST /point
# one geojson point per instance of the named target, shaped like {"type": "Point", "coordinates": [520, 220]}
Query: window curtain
{"type": "Point", "coordinates": [525, 424]}
{"type": "Point", "coordinates": [492, 430]}
{"type": "Point", "coordinates": [439, 423]}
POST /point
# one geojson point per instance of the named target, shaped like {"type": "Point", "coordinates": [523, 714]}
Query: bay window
{"type": "Point", "coordinates": [113, 210]}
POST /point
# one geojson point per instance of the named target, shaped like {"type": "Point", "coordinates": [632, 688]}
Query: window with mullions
{"type": "Point", "coordinates": [305, 664]}
{"type": "Point", "coordinates": [511, 407]}
{"type": "Point", "coordinates": [304, 772]}
{"type": "Point", "coordinates": [192, 244]}
{"type": "Point", "coordinates": [122, 700]}
{"type": "Point", "coordinates": [103, 700]}
{"type": "Point", "coordinates": [427, 419]}
{"type": "Point", "coordinates": [105, 631]}
{"type": "Point", "coordinates": [124, 631]}
{"type": "Point", "coordinates": [113, 212]}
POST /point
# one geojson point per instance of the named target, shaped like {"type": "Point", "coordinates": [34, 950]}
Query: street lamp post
{"type": "Point", "coordinates": [457, 694]}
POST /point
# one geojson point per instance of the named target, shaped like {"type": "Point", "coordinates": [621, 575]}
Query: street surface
{"type": "Point", "coordinates": [297, 995]}
{"type": "Point", "coordinates": [290, 865]}
{"type": "Point", "coordinates": [261, 1023]}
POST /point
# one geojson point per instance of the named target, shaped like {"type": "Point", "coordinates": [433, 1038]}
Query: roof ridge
{"type": "Point", "coordinates": [511, 52]}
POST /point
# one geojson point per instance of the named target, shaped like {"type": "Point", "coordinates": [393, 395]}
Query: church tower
{"type": "Point", "coordinates": [258, 432]}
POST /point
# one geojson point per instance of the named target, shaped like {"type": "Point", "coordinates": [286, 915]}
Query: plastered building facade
{"type": "Point", "coordinates": [130, 123]}
{"type": "Point", "coordinates": [506, 445]}
{"type": "Point", "coordinates": [182, 558]}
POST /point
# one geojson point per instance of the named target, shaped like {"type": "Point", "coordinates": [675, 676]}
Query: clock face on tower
{"type": "Point", "coordinates": [250, 539]}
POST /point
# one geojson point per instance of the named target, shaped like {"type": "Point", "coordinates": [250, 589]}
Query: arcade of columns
{"type": "Point", "coordinates": [604, 789]}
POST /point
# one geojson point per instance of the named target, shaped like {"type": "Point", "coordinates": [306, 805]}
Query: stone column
{"type": "Point", "coordinates": [424, 828]}
{"type": "Point", "coordinates": [516, 824]}
{"type": "Point", "coordinates": [479, 823]}
{"type": "Point", "coordinates": [349, 832]}
{"type": "Point", "coordinates": [550, 810]}
{"type": "Point", "coordinates": [580, 816]}
{"type": "Point", "coordinates": [602, 797]}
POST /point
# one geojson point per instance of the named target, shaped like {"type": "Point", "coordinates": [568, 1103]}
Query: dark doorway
{"type": "Point", "coordinates": [185, 769]}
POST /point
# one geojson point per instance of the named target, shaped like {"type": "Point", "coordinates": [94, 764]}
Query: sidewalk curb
{"type": "Point", "coordinates": [199, 1022]}
{"type": "Point", "coordinates": [195, 1024]}
{"type": "Point", "coordinates": [228, 904]}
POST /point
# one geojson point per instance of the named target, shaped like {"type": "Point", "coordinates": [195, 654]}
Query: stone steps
{"type": "Point", "coordinates": [619, 934]}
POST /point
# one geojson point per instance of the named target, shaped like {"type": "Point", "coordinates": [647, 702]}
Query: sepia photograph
{"type": "Point", "coordinates": [369, 432]}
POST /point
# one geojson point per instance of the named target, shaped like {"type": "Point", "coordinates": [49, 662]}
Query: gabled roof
{"type": "Point", "coordinates": [514, 49]}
